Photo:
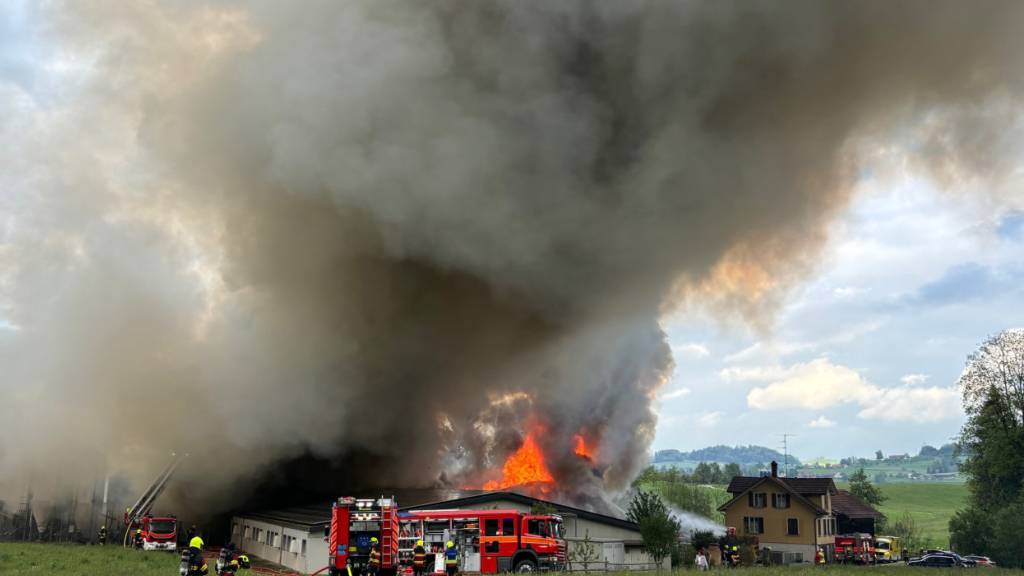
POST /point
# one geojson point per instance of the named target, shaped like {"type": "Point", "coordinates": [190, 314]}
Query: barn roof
{"type": "Point", "coordinates": [846, 504]}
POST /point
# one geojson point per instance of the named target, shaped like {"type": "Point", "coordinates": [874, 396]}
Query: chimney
{"type": "Point", "coordinates": [775, 469]}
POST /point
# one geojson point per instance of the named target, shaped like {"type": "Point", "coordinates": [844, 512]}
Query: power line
{"type": "Point", "coordinates": [785, 451]}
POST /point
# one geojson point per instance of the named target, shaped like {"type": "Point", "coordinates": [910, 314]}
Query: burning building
{"type": "Point", "coordinates": [294, 536]}
{"type": "Point", "coordinates": [421, 243]}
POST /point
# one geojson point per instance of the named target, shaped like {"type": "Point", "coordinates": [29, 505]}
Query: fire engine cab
{"type": "Point", "coordinates": [159, 532]}
{"type": "Point", "coordinates": [488, 541]}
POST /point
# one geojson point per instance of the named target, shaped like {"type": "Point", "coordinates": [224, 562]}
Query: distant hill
{"type": "Point", "coordinates": [742, 455]}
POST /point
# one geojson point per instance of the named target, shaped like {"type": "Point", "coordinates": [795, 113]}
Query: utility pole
{"type": "Point", "coordinates": [785, 451]}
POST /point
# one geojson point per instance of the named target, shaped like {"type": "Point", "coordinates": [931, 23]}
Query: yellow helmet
{"type": "Point", "coordinates": [449, 544]}
{"type": "Point", "coordinates": [138, 530]}
{"type": "Point", "coordinates": [196, 542]}
{"type": "Point", "coordinates": [373, 540]}
{"type": "Point", "coordinates": [419, 542]}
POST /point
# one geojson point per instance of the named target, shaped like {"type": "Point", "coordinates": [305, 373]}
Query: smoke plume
{"type": "Point", "coordinates": [418, 230]}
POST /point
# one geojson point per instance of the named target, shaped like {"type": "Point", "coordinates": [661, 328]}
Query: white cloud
{"type": "Point", "coordinates": [692, 350]}
{"type": "Point", "coordinates": [812, 385]}
{"type": "Point", "coordinates": [914, 379]}
{"type": "Point", "coordinates": [906, 404]}
{"type": "Point", "coordinates": [710, 420]}
{"type": "Point", "coordinates": [677, 393]}
{"type": "Point", "coordinates": [821, 384]}
{"type": "Point", "coordinates": [821, 422]}
{"type": "Point", "coordinates": [752, 374]}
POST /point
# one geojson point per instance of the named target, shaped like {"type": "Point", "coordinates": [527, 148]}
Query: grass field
{"type": "Point", "coordinates": [52, 559]}
{"type": "Point", "coordinates": [930, 504]}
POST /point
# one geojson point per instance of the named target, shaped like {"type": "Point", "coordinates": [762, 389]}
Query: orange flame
{"type": "Point", "coordinates": [581, 447]}
{"type": "Point", "coordinates": [525, 466]}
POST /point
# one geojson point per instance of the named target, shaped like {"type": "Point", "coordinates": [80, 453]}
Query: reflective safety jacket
{"type": "Point", "coordinates": [193, 563]}
{"type": "Point", "coordinates": [451, 556]}
{"type": "Point", "coordinates": [374, 556]}
{"type": "Point", "coordinates": [419, 557]}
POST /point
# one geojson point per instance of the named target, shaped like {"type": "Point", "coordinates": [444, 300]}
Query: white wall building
{"type": "Point", "coordinates": [294, 537]}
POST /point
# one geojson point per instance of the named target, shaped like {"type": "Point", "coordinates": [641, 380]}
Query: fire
{"type": "Point", "coordinates": [581, 448]}
{"type": "Point", "coordinates": [525, 466]}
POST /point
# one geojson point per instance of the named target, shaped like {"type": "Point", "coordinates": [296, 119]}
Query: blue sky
{"type": "Point", "coordinates": [866, 352]}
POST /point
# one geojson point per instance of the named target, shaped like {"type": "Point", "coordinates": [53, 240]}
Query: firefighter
{"type": "Point", "coordinates": [230, 561]}
{"type": "Point", "coordinates": [374, 565]}
{"type": "Point", "coordinates": [103, 535]}
{"type": "Point", "coordinates": [451, 558]}
{"type": "Point", "coordinates": [192, 561]}
{"type": "Point", "coordinates": [419, 559]}
{"type": "Point", "coordinates": [138, 538]}
{"type": "Point", "coordinates": [819, 556]}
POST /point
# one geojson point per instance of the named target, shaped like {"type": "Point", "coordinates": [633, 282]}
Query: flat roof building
{"type": "Point", "coordinates": [295, 537]}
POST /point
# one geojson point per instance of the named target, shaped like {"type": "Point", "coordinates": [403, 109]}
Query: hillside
{"type": "Point", "coordinates": [742, 455]}
{"type": "Point", "coordinates": [931, 505]}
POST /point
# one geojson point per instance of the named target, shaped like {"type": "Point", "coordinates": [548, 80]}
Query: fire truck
{"type": "Point", "coordinates": [855, 549]}
{"type": "Point", "coordinates": [488, 541]}
{"type": "Point", "coordinates": [158, 532]}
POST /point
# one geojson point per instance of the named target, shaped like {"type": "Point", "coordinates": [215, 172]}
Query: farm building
{"type": "Point", "coordinates": [294, 537]}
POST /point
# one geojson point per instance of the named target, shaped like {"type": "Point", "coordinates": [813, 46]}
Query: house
{"type": "Point", "coordinates": [795, 516]}
{"type": "Point", "coordinates": [294, 537]}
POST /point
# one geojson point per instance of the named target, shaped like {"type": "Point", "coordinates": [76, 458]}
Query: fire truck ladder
{"type": "Point", "coordinates": [145, 502]}
{"type": "Point", "coordinates": [389, 534]}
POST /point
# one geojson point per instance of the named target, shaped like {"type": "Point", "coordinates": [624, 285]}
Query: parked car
{"type": "Point", "coordinates": [981, 560]}
{"type": "Point", "coordinates": [941, 560]}
{"type": "Point", "coordinates": [966, 563]}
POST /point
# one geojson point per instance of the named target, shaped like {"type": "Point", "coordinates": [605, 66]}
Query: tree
{"type": "Point", "coordinates": [584, 551]}
{"type": "Point", "coordinates": [730, 471]}
{"type": "Point", "coordinates": [928, 451]}
{"type": "Point", "coordinates": [992, 441]}
{"type": "Point", "coordinates": [862, 488]}
{"type": "Point", "coordinates": [658, 529]}
{"type": "Point", "coordinates": [878, 455]}
{"type": "Point", "coordinates": [542, 509]}
{"type": "Point", "coordinates": [907, 529]}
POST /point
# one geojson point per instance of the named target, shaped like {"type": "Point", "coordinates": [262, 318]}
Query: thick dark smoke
{"type": "Point", "coordinates": [260, 230]}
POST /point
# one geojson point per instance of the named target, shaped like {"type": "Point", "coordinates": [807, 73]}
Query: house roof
{"type": "Point", "coordinates": [782, 483]}
{"type": "Point", "coordinates": [319, 515]}
{"type": "Point", "coordinates": [804, 486]}
{"type": "Point", "coordinates": [846, 504]}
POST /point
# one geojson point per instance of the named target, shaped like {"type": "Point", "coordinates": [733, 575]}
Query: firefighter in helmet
{"type": "Point", "coordinates": [192, 561]}
{"type": "Point", "coordinates": [229, 560]}
{"type": "Point", "coordinates": [819, 556]}
{"type": "Point", "coordinates": [451, 558]}
{"type": "Point", "coordinates": [138, 538]}
{"type": "Point", "coordinates": [103, 535]}
{"type": "Point", "coordinates": [374, 564]}
{"type": "Point", "coordinates": [419, 559]}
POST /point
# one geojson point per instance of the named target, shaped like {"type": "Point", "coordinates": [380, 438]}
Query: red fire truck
{"type": "Point", "coordinates": [159, 532]}
{"type": "Point", "coordinates": [489, 541]}
{"type": "Point", "coordinates": [855, 549]}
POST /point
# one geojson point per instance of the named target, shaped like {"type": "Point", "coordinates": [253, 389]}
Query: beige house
{"type": "Point", "coordinates": [791, 516]}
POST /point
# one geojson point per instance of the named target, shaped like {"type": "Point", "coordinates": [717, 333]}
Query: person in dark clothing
{"type": "Point", "coordinates": [419, 559]}
{"type": "Point", "coordinates": [374, 564]}
{"type": "Point", "coordinates": [103, 535]}
{"type": "Point", "coordinates": [192, 561]}
{"type": "Point", "coordinates": [230, 560]}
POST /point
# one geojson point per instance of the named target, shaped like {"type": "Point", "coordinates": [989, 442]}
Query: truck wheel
{"type": "Point", "coordinates": [526, 566]}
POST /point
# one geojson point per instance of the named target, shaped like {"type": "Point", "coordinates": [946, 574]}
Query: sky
{"type": "Point", "coordinates": [865, 352]}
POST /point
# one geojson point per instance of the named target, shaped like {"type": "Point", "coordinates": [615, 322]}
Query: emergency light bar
{"type": "Point", "coordinates": [364, 516]}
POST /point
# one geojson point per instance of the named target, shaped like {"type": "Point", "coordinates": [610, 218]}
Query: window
{"type": "Point", "coordinates": [793, 526]}
{"type": "Point", "coordinates": [303, 546]}
{"type": "Point", "coordinates": [491, 527]}
{"type": "Point", "coordinates": [537, 527]}
{"type": "Point", "coordinates": [508, 527]}
{"type": "Point", "coordinates": [753, 524]}
{"type": "Point", "coordinates": [245, 533]}
{"type": "Point", "coordinates": [234, 529]}
{"type": "Point", "coordinates": [758, 500]}
{"type": "Point", "coordinates": [780, 501]}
